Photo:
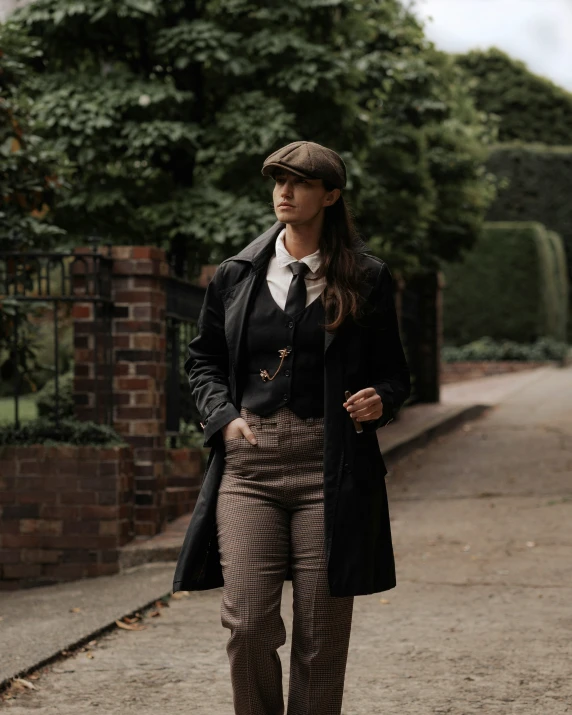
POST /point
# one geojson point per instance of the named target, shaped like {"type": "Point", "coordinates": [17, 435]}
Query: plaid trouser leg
{"type": "Point", "coordinates": [270, 509]}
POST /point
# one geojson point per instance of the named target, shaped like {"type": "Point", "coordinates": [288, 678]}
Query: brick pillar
{"type": "Point", "coordinates": [139, 348]}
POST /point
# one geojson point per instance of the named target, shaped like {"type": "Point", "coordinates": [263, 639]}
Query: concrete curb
{"type": "Point", "coordinates": [439, 425]}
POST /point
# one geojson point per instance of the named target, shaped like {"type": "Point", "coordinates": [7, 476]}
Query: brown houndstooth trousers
{"type": "Point", "coordinates": [270, 510]}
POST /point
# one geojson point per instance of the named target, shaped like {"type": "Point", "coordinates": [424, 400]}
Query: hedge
{"type": "Point", "coordinates": [538, 178]}
{"type": "Point", "coordinates": [530, 108]}
{"type": "Point", "coordinates": [488, 349]}
{"type": "Point", "coordinates": [511, 285]}
{"type": "Point", "coordinates": [44, 431]}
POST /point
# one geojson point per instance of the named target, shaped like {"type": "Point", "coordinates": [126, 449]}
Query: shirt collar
{"type": "Point", "coordinates": [284, 258]}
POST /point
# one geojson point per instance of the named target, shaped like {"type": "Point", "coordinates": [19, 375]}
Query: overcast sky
{"type": "Point", "coordinates": [539, 32]}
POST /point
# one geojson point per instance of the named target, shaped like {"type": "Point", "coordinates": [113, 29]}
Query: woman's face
{"type": "Point", "coordinates": [298, 200]}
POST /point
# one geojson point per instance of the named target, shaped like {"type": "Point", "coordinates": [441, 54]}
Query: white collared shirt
{"type": "Point", "coordinates": [279, 275]}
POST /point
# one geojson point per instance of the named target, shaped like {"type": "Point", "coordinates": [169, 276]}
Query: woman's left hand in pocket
{"type": "Point", "coordinates": [365, 405]}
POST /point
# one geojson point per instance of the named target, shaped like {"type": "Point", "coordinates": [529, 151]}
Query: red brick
{"type": "Point", "coordinates": [40, 556]}
{"type": "Point", "coordinates": [65, 571]}
{"type": "Point", "coordinates": [82, 311]}
{"type": "Point", "coordinates": [81, 527]}
{"type": "Point", "coordinates": [21, 541]}
{"type": "Point", "coordinates": [135, 413]}
{"type": "Point", "coordinates": [108, 528]}
{"type": "Point", "coordinates": [40, 526]}
{"type": "Point", "coordinates": [10, 556]}
{"type": "Point", "coordinates": [99, 512]}
{"type": "Point", "coordinates": [135, 383]}
{"type": "Point", "coordinates": [146, 528]}
{"type": "Point", "coordinates": [22, 570]}
{"type": "Point", "coordinates": [102, 569]}
{"type": "Point", "coordinates": [58, 511]}
{"type": "Point", "coordinates": [78, 498]}
{"type": "Point", "coordinates": [146, 427]}
{"type": "Point", "coordinates": [38, 497]}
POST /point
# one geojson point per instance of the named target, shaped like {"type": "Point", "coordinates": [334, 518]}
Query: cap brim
{"type": "Point", "coordinates": [270, 170]}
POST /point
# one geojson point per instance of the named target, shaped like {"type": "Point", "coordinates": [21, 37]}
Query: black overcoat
{"type": "Point", "coordinates": [362, 353]}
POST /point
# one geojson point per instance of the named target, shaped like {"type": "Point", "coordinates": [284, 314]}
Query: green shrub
{"type": "Point", "coordinates": [538, 189]}
{"type": "Point", "coordinates": [512, 285]}
{"type": "Point", "coordinates": [46, 398]}
{"type": "Point", "coordinates": [530, 108]}
{"type": "Point", "coordinates": [43, 431]}
{"type": "Point", "coordinates": [488, 349]}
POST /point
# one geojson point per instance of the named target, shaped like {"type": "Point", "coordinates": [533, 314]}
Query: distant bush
{"type": "Point", "coordinates": [488, 349]}
{"type": "Point", "coordinates": [43, 431]}
{"type": "Point", "coordinates": [46, 398]}
{"type": "Point", "coordinates": [512, 286]}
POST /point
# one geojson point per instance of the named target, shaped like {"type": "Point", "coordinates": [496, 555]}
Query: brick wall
{"type": "Point", "coordinates": [64, 512]}
{"type": "Point", "coordinates": [184, 471]}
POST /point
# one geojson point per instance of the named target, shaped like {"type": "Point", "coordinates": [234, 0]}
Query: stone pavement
{"type": "Point", "coordinates": [479, 622]}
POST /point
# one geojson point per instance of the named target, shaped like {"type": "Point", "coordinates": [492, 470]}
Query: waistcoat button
{"type": "Point", "coordinates": [291, 324]}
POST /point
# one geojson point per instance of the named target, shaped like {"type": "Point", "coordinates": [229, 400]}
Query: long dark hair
{"type": "Point", "coordinates": [339, 244]}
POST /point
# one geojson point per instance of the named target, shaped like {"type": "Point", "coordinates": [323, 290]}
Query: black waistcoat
{"type": "Point", "coordinates": [300, 382]}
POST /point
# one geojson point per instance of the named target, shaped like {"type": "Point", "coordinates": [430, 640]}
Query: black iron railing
{"type": "Point", "coordinates": [41, 288]}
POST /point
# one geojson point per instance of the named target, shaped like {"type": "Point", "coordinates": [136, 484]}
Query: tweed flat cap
{"type": "Point", "coordinates": [308, 159]}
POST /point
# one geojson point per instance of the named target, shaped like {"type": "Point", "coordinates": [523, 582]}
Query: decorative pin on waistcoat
{"type": "Point", "coordinates": [264, 373]}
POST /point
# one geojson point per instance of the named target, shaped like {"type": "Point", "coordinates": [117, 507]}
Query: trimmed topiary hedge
{"type": "Point", "coordinates": [44, 431]}
{"type": "Point", "coordinates": [539, 179]}
{"type": "Point", "coordinates": [530, 108]}
{"type": "Point", "coordinates": [511, 285]}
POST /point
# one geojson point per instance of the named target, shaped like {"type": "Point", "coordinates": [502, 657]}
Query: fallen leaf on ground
{"type": "Point", "coordinates": [154, 614]}
{"type": "Point", "coordinates": [25, 683]}
{"type": "Point", "coordinates": [130, 626]}
{"type": "Point", "coordinates": [75, 610]}
{"type": "Point", "coordinates": [385, 601]}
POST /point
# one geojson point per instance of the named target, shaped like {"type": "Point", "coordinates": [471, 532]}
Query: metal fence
{"type": "Point", "coordinates": [183, 306]}
{"type": "Point", "coordinates": [37, 293]}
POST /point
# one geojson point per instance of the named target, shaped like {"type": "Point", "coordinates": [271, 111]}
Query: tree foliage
{"type": "Point", "coordinates": [28, 184]}
{"type": "Point", "coordinates": [529, 108]}
{"type": "Point", "coordinates": [165, 112]}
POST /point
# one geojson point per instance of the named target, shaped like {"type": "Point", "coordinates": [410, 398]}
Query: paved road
{"type": "Point", "coordinates": [481, 619]}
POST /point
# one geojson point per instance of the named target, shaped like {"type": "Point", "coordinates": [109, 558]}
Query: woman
{"type": "Point", "coordinates": [294, 486]}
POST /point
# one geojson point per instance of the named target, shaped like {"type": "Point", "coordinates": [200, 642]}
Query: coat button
{"type": "Point", "coordinates": [289, 348]}
{"type": "Point", "coordinates": [291, 324]}
{"type": "Point", "coordinates": [285, 397]}
{"type": "Point", "coordinates": [287, 373]}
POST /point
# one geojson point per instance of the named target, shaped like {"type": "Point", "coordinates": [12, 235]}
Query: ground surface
{"type": "Point", "coordinates": [480, 621]}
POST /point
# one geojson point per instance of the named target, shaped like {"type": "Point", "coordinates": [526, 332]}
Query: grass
{"type": "Point", "coordinates": [27, 409]}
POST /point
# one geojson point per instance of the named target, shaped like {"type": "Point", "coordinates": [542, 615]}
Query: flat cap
{"type": "Point", "coordinates": [308, 159]}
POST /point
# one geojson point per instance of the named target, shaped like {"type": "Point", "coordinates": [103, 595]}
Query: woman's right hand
{"type": "Point", "coordinates": [238, 428]}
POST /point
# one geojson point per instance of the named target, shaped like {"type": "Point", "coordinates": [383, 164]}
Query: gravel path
{"type": "Point", "coordinates": [480, 621]}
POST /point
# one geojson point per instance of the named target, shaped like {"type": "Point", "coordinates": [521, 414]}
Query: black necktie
{"type": "Point", "coordinates": [296, 299]}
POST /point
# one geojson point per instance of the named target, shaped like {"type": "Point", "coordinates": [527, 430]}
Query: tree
{"type": "Point", "coordinates": [167, 110]}
{"type": "Point", "coordinates": [28, 185]}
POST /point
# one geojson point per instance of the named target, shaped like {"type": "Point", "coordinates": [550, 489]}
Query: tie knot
{"type": "Point", "coordinates": [299, 268]}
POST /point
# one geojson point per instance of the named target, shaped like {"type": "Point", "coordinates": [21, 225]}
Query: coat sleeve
{"type": "Point", "coordinates": [391, 376]}
{"type": "Point", "coordinates": [207, 365]}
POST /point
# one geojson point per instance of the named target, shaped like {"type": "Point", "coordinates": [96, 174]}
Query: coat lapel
{"type": "Point", "coordinates": [238, 298]}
